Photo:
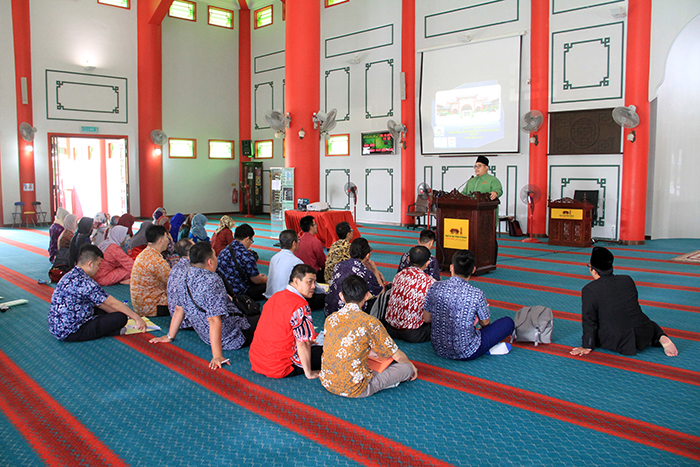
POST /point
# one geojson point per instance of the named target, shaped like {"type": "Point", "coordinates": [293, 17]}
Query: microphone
{"type": "Point", "coordinates": [464, 184]}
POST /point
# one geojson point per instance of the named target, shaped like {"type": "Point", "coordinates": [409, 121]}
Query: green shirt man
{"type": "Point", "coordinates": [483, 182]}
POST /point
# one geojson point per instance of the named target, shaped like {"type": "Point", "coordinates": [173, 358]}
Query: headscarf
{"type": "Point", "coordinates": [127, 220]}
{"type": "Point", "coordinates": [140, 237]}
{"type": "Point", "coordinates": [116, 237]}
{"type": "Point", "coordinates": [164, 221]}
{"type": "Point", "coordinates": [100, 218]}
{"type": "Point", "coordinates": [70, 222]}
{"type": "Point", "coordinates": [175, 224]}
{"type": "Point", "coordinates": [198, 230]}
{"type": "Point", "coordinates": [61, 214]}
{"type": "Point", "coordinates": [158, 213]}
{"type": "Point", "coordinates": [81, 237]}
{"type": "Point", "coordinates": [113, 221]}
{"type": "Point", "coordinates": [224, 222]}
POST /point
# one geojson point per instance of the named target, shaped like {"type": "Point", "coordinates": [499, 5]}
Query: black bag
{"type": "Point", "coordinates": [514, 229]}
{"type": "Point", "coordinates": [246, 305]}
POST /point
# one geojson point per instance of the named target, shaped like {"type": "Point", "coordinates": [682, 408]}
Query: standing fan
{"type": "Point", "coordinates": [247, 200]}
{"type": "Point", "coordinates": [530, 195]}
{"type": "Point", "coordinates": [398, 132]}
{"type": "Point", "coordinates": [351, 190]}
{"type": "Point", "coordinates": [424, 192]}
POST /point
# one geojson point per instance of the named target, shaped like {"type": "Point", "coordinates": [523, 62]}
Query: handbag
{"type": "Point", "coordinates": [533, 324]}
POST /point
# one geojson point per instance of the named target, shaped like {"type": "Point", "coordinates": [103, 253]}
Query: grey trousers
{"type": "Point", "coordinates": [391, 377]}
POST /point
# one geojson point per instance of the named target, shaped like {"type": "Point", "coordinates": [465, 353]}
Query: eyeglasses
{"type": "Point", "coordinates": [478, 166]}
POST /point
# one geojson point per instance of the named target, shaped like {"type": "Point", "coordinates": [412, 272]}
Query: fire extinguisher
{"type": "Point", "coordinates": [234, 198]}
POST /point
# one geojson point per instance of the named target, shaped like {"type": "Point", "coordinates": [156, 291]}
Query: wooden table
{"type": "Point", "coordinates": [326, 222]}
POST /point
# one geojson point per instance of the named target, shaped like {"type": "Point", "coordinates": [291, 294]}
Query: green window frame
{"type": "Point", "coordinates": [338, 145]}
{"type": "Point", "coordinates": [221, 149]}
{"type": "Point", "coordinates": [265, 149]}
{"type": "Point", "coordinates": [263, 17]}
{"type": "Point", "coordinates": [126, 4]}
{"type": "Point", "coordinates": [183, 9]}
{"type": "Point", "coordinates": [182, 148]}
{"type": "Point", "coordinates": [335, 2]}
{"type": "Point", "coordinates": [220, 17]}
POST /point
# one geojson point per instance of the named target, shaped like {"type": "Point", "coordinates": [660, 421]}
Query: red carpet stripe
{"type": "Point", "coordinates": [25, 283]}
{"type": "Point", "coordinates": [352, 441]}
{"type": "Point", "coordinates": [26, 247]}
{"type": "Point", "coordinates": [588, 253]}
{"type": "Point", "coordinates": [615, 425]}
{"type": "Point", "coordinates": [635, 250]}
{"type": "Point", "coordinates": [54, 433]}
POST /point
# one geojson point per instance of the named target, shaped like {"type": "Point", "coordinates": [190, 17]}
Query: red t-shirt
{"type": "Point", "coordinates": [286, 318]}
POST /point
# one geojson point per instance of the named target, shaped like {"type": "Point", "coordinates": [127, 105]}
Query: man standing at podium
{"type": "Point", "coordinates": [483, 181]}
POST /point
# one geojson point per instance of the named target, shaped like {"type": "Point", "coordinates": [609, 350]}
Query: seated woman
{"type": "Point", "coordinates": [99, 228]}
{"type": "Point", "coordinates": [198, 233]}
{"type": "Point", "coordinates": [223, 235]}
{"type": "Point", "coordinates": [81, 237]}
{"type": "Point", "coordinates": [175, 224]}
{"type": "Point", "coordinates": [127, 220]}
{"type": "Point", "coordinates": [184, 231]}
{"type": "Point", "coordinates": [61, 262]}
{"type": "Point", "coordinates": [139, 242]}
{"type": "Point", "coordinates": [55, 231]}
{"type": "Point", "coordinates": [157, 214]}
{"type": "Point", "coordinates": [169, 254]}
{"type": "Point", "coordinates": [116, 265]}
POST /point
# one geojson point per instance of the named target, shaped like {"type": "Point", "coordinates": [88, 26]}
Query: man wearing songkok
{"type": "Point", "coordinates": [239, 267]}
{"type": "Point", "coordinates": [427, 239]}
{"type": "Point", "coordinates": [149, 276]}
{"type": "Point", "coordinates": [611, 316]}
{"type": "Point", "coordinates": [406, 318]}
{"type": "Point", "coordinates": [349, 337]}
{"type": "Point", "coordinates": [282, 344]}
{"type": "Point", "coordinates": [455, 306]}
{"type": "Point", "coordinates": [76, 299]}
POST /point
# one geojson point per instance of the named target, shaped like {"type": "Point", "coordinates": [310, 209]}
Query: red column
{"type": "Point", "coordinates": [302, 94]}
{"type": "Point", "coordinates": [635, 155]}
{"type": "Point", "coordinates": [408, 105]}
{"type": "Point", "coordinates": [150, 101]}
{"type": "Point", "coordinates": [23, 69]}
{"type": "Point", "coordinates": [244, 85]}
{"type": "Point", "coordinates": [539, 100]}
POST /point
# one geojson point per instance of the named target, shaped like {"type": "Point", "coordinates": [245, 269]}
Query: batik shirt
{"type": "Point", "coordinates": [340, 251]}
{"type": "Point", "coordinates": [432, 270]}
{"type": "Point", "coordinates": [405, 308]}
{"type": "Point", "coordinates": [345, 269]}
{"type": "Point", "coordinates": [349, 336]}
{"type": "Point", "coordinates": [453, 306]}
{"type": "Point", "coordinates": [149, 282]}
{"type": "Point", "coordinates": [176, 288]}
{"type": "Point", "coordinates": [73, 302]}
{"type": "Point", "coordinates": [246, 263]}
{"type": "Point", "coordinates": [209, 294]}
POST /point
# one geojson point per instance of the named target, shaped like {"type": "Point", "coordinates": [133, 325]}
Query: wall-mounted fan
{"type": "Point", "coordinates": [27, 131]}
{"type": "Point", "coordinates": [351, 190]}
{"type": "Point", "coordinates": [278, 122]}
{"type": "Point", "coordinates": [424, 191]}
{"type": "Point", "coordinates": [530, 195]}
{"type": "Point", "coordinates": [530, 123]}
{"type": "Point", "coordinates": [627, 117]}
{"type": "Point", "coordinates": [398, 132]}
{"type": "Point", "coordinates": [159, 137]}
{"type": "Point", "coordinates": [325, 121]}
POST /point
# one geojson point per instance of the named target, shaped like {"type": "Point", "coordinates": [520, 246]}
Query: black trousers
{"type": "Point", "coordinates": [422, 334]}
{"type": "Point", "coordinates": [248, 333]}
{"type": "Point", "coordinates": [317, 302]}
{"type": "Point", "coordinates": [256, 291]}
{"type": "Point", "coordinates": [316, 354]}
{"type": "Point", "coordinates": [106, 324]}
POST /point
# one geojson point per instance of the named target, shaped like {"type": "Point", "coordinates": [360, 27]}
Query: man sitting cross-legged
{"type": "Point", "coordinates": [350, 335]}
{"type": "Point", "coordinates": [455, 307]}
{"type": "Point", "coordinates": [406, 318]}
{"type": "Point", "coordinates": [238, 265]}
{"type": "Point", "coordinates": [310, 248]}
{"type": "Point", "coordinates": [149, 276]}
{"type": "Point", "coordinates": [340, 250]}
{"type": "Point", "coordinates": [282, 342]}
{"type": "Point", "coordinates": [427, 239]}
{"type": "Point", "coordinates": [209, 310]}
{"type": "Point", "coordinates": [74, 301]}
{"type": "Point", "coordinates": [611, 315]}
{"type": "Point", "coordinates": [176, 279]}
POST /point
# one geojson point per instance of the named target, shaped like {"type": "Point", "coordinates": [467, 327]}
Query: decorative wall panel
{"type": "Point", "coordinates": [584, 132]}
{"type": "Point", "coordinates": [264, 96]}
{"type": "Point", "coordinates": [359, 41]}
{"type": "Point", "coordinates": [335, 194]}
{"type": "Point", "coordinates": [337, 92]}
{"type": "Point", "coordinates": [268, 62]}
{"type": "Point", "coordinates": [379, 89]}
{"type": "Point", "coordinates": [86, 97]}
{"type": "Point", "coordinates": [379, 199]}
{"type": "Point", "coordinates": [472, 17]}
{"type": "Point", "coordinates": [563, 6]}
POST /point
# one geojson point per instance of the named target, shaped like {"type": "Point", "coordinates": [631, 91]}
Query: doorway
{"type": "Point", "coordinates": [89, 174]}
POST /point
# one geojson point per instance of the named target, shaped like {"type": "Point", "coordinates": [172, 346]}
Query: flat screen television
{"type": "Point", "coordinates": [379, 142]}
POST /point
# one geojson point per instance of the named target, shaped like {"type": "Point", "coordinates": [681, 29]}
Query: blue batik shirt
{"type": "Point", "coordinates": [433, 268]}
{"type": "Point", "coordinates": [345, 269]}
{"type": "Point", "coordinates": [454, 305]}
{"type": "Point", "coordinates": [209, 293]}
{"type": "Point", "coordinates": [176, 288]}
{"type": "Point", "coordinates": [246, 263]}
{"type": "Point", "coordinates": [73, 302]}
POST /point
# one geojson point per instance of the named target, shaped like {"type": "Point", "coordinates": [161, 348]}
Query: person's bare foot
{"type": "Point", "coordinates": [669, 347]}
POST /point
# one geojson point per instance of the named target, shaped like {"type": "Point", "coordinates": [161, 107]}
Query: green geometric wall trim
{"type": "Point", "coordinates": [467, 18]}
{"type": "Point", "coordinates": [564, 6]}
{"type": "Point", "coordinates": [389, 208]}
{"type": "Point", "coordinates": [347, 175]}
{"type": "Point", "coordinates": [428, 175]}
{"type": "Point", "coordinates": [446, 168]}
{"type": "Point", "coordinates": [379, 80]}
{"type": "Point", "coordinates": [268, 62]}
{"type": "Point", "coordinates": [584, 52]}
{"type": "Point", "coordinates": [261, 88]}
{"type": "Point", "coordinates": [602, 183]}
{"type": "Point", "coordinates": [341, 76]}
{"type": "Point", "coordinates": [359, 41]}
{"type": "Point", "coordinates": [86, 97]}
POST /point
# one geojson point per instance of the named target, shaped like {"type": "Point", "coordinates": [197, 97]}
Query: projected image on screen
{"type": "Point", "coordinates": [469, 116]}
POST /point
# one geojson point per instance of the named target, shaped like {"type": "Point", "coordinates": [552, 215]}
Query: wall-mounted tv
{"type": "Point", "coordinates": [379, 142]}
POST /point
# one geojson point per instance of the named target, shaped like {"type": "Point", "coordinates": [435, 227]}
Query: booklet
{"type": "Point", "coordinates": [132, 329]}
{"type": "Point", "coordinates": [377, 363]}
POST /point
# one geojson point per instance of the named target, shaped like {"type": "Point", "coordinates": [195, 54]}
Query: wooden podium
{"type": "Point", "coordinates": [570, 223]}
{"type": "Point", "coordinates": [466, 223]}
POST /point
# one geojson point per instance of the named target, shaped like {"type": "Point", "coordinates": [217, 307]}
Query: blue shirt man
{"type": "Point", "coordinates": [239, 267]}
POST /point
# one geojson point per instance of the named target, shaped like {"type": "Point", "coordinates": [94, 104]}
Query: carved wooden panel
{"type": "Point", "coordinates": [584, 132]}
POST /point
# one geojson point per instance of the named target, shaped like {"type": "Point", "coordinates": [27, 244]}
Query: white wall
{"type": "Point", "coordinates": [8, 109]}
{"type": "Point", "coordinates": [677, 158]}
{"type": "Point", "coordinates": [200, 101]}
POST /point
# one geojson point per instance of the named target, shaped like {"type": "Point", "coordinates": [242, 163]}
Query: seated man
{"type": "Point", "coordinates": [209, 310]}
{"type": "Point", "coordinates": [406, 318]}
{"type": "Point", "coordinates": [281, 265]}
{"type": "Point", "coordinates": [455, 306]}
{"type": "Point", "coordinates": [340, 250]}
{"type": "Point", "coordinates": [239, 267]}
{"type": "Point", "coordinates": [611, 315]}
{"type": "Point", "coordinates": [359, 264]}
{"type": "Point", "coordinates": [427, 239]}
{"type": "Point", "coordinates": [176, 279]}
{"type": "Point", "coordinates": [72, 314]}
{"type": "Point", "coordinates": [350, 335]}
{"type": "Point", "coordinates": [310, 248]}
{"type": "Point", "coordinates": [149, 276]}
{"type": "Point", "coordinates": [282, 342]}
